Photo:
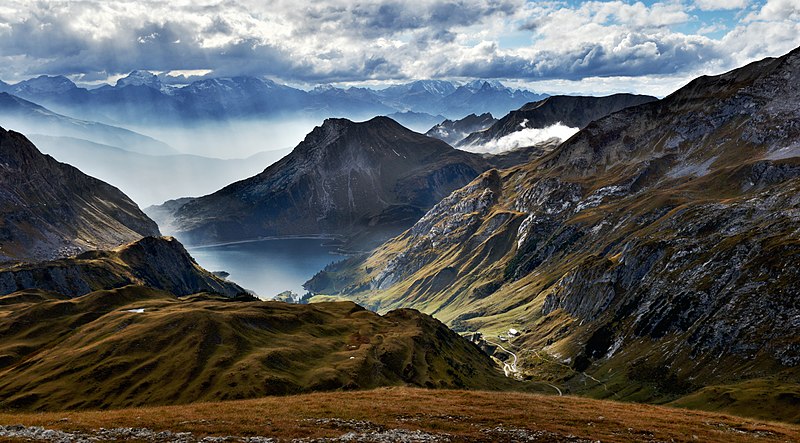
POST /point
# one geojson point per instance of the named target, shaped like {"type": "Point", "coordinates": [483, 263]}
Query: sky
{"type": "Point", "coordinates": [547, 46]}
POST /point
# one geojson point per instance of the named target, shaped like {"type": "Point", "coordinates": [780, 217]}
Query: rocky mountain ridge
{"type": "Point", "coordinates": [453, 132]}
{"type": "Point", "coordinates": [570, 111]}
{"type": "Point", "coordinates": [50, 209]}
{"type": "Point", "coordinates": [369, 180]}
{"type": "Point", "coordinates": [154, 262]}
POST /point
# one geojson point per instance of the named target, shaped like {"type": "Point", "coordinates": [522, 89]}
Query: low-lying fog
{"type": "Point", "coordinates": [193, 161]}
{"type": "Point", "coordinates": [233, 139]}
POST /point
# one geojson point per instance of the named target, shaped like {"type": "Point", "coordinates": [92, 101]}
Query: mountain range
{"type": "Point", "coordinates": [142, 99]}
{"type": "Point", "coordinates": [99, 150]}
{"type": "Point", "coordinates": [29, 118]}
{"type": "Point", "coordinates": [646, 253]}
{"type": "Point", "coordinates": [646, 258]}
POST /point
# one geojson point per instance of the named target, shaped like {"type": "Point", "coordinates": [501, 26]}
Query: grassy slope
{"type": "Point", "coordinates": [88, 352]}
{"type": "Point", "coordinates": [464, 415]}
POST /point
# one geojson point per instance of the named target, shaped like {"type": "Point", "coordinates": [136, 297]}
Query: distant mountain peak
{"type": "Point", "coordinates": [46, 84]}
{"type": "Point", "coordinates": [140, 78]}
{"type": "Point", "coordinates": [485, 85]}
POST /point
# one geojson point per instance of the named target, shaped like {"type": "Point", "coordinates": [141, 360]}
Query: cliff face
{"type": "Point", "coordinates": [649, 251]}
{"type": "Point", "coordinates": [160, 263]}
{"type": "Point", "coordinates": [371, 180]}
{"type": "Point", "coordinates": [49, 209]}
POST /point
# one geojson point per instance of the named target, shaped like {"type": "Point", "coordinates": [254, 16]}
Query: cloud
{"type": "Point", "coordinates": [720, 5]}
{"type": "Point", "coordinates": [777, 10]}
{"type": "Point", "coordinates": [523, 138]}
{"type": "Point", "coordinates": [337, 41]}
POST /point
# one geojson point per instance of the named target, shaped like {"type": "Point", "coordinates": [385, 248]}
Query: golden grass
{"type": "Point", "coordinates": [91, 352]}
{"type": "Point", "coordinates": [465, 415]}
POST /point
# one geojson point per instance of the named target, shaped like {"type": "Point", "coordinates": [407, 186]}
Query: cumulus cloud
{"type": "Point", "coordinates": [337, 41]}
{"type": "Point", "coordinates": [523, 138]}
{"type": "Point", "coordinates": [720, 5]}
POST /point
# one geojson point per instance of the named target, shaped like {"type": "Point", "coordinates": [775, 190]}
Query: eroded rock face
{"type": "Point", "coordinates": [372, 180]}
{"type": "Point", "coordinates": [662, 236]}
{"type": "Point", "coordinates": [49, 209]}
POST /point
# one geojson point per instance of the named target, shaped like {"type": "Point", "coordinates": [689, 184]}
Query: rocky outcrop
{"type": "Point", "coordinates": [49, 209]}
{"type": "Point", "coordinates": [453, 132]}
{"type": "Point", "coordinates": [651, 249]}
{"type": "Point", "coordinates": [363, 181]}
{"type": "Point", "coordinates": [155, 262]}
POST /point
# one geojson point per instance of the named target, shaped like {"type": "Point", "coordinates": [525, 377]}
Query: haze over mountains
{"type": "Point", "coordinates": [141, 98]}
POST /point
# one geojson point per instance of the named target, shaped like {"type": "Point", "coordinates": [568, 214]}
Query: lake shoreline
{"type": "Point", "coordinates": [271, 238]}
{"type": "Point", "coordinates": [270, 265]}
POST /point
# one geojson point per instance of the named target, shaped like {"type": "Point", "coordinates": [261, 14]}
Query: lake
{"type": "Point", "coordinates": [268, 267]}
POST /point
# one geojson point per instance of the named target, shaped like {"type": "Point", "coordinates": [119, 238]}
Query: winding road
{"type": "Point", "coordinates": [511, 368]}
{"type": "Point", "coordinates": [507, 368]}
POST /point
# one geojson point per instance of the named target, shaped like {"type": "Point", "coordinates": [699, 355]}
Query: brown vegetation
{"type": "Point", "coordinates": [464, 415]}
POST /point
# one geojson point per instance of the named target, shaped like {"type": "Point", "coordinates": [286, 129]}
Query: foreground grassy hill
{"type": "Point", "coordinates": [134, 346]}
{"type": "Point", "coordinates": [405, 414]}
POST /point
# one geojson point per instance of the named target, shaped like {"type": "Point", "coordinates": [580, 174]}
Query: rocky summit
{"type": "Point", "coordinates": [156, 262]}
{"type": "Point", "coordinates": [650, 257]}
{"type": "Point", "coordinates": [454, 131]}
{"type": "Point", "coordinates": [49, 209]}
{"type": "Point", "coordinates": [363, 181]}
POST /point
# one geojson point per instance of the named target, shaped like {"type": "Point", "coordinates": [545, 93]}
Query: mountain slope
{"type": "Point", "coordinates": [159, 263]}
{"type": "Point", "coordinates": [651, 249]}
{"type": "Point", "coordinates": [27, 117]}
{"type": "Point", "coordinates": [454, 131]}
{"type": "Point", "coordinates": [50, 209]}
{"type": "Point", "coordinates": [570, 111]}
{"type": "Point", "coordinates": [370, 179]}
{"type": "Point", "coordinates": [135, 346]}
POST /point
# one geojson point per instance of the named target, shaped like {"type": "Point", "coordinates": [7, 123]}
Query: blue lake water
{"type": "Point", "coordinates": [268, 267]}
